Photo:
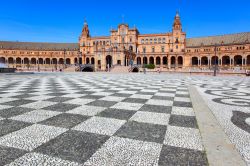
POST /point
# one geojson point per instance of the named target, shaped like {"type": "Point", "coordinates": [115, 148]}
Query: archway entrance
{"type": "Point", "coordinates": [135, 70]}
{"type": "Point", "coordinates": [11, 60]}
{"type": "Point", "coordinates": [238, 60]}
{"type": "Point", "coordinates": [158, 61]}
{"type": "Point", "coordinates": [225, 60]}
{"type": "Point", "coordinates": [180, 61]}
{"type": "Point", "coordinates": [204, 61]}
{"type": "Point", "coordinates": [18, 61]}
{"type": "Point", "coordinates": [108, 61]}
{"type": "Point", "coordinates": [165, 60]}
{"type": "Point", "coordinates": [88, 69]}
{"type": "Point", "coordinates": [214, 60]}
{"type": "Point", "coordinates": [151, 60]}
{"type": "Point", "coordinates": [138, 60]}
{"type": "Point", "coordinates": [173, 61]}
{"type": "Point", "coordinates": [248, 60]}
{"type": "Point", "coordinates": [145, 60]}
{"type": "Point", "coordinates": [87, 61]}
{"type": "Point", "coordinates": [194, 61]}
{"type": "Point", "coordinates": [92, 61]}
{"type": "Point", "coordinates": [2, 60]}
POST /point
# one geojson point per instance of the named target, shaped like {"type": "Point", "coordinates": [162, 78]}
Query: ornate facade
{"type": "Point", "coordinates": [126, 46]}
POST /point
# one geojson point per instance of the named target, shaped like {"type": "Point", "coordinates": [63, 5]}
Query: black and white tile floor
{"type": "Point", "coordinates": [97, 119]}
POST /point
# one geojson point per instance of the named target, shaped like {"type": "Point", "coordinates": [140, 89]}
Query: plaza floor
{"type": "Point", "coordinates": [116, 119]}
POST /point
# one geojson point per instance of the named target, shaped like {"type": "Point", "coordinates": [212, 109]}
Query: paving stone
{"type": "Point", "coordinates": [8, 126]}
{"type": "Point", "coordinates": [142, 131]}
{"type": "Point", "coordinates": [183, 121]}
{"type": "Point", "coordinates": [100, 125]}
{"type": "Point", "coordinates": [79, 150]}
{"type": "Point", "coordinates": [14, 111]}
{"type": "Point", "coordinates": [126, 152]}
{"type": "Point", "coordinates": [180, 156]}
{"type": "Point", "coordinates": [61, 107]}
{"type": "Point", "coordinates": [117, 114]}
{"type": "Point", "coordinates": [64, 120]}
{"type": "Point", "coordinates": [30, 137]}
{"type": "Point", "coordinates": [8, 154]}
{"type": "Point", "coordinates": [35, 116]}
{"type": "Point", "coordinates": [41, 159]}
{"type": "Point", "coordinates": [151, 118]}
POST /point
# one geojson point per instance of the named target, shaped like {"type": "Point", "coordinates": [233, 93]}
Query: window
{"type": "Point", "coordinates": [155, 40]}
{"type": "Point", "coordinates": [123, 40]}
{"type": "Point", "coordinates": [146, 41]}
{"type": "Point", "coordinates": [164, 40]}
{"type": "Point", "coordinates": [153, 49]}
{"type": "Point", "coordinates": [162, 49]}
{"type": "Point", "coordinates": [130, 39]}
{"type": "Point", "coordinates": [144, 50]}
{"type": "Point", "coordinates": [159, 40]}
{"type": "Point", "coordinates": [142, 41]}
{"type": "Point", "coordinates": [151, 40]}
{"type": "Point", "coordinates": [176, 40]}
{"type": "Point", "coordinates": [176, 47]}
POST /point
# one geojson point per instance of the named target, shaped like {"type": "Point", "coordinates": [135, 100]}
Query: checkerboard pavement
{"type": "Point", "coordinates": [97, 120]}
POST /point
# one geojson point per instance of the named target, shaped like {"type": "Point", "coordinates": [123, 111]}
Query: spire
{"type": "Point", "coordinates": [85, 22]}
{"type": "Point", "coordinates": [85, 30]}
{"type": "Point", "coordinates": [177, 14]}
{"type": "Point", "coordinates": [177, 22]}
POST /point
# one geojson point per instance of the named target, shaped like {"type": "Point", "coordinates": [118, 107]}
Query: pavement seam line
{"type": "Point", "coordinates": [219, 149]}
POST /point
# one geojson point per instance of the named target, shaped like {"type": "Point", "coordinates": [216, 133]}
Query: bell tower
{"type": "Point", "coordinates": [85, 34]}
{"type": "Point", "coordinates": [178, 37]}
{"type": "Point", "coordinates": [177, 23]}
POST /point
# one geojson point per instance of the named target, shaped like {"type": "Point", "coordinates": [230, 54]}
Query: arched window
{"type": "Point", "coordinates": [151, 60]}
{"type": "Point", "coordinates": [164, 40]}
{"type": "Point", "coordinates": [159, 40]}
{"type": "Point", "coordinates": [92, 61]}
{"type": "Point", "coordinates": [158, 60]}
{"type": "Point", "coordinates": [130, 48]}
{"type": "Point", "coordinates": [155, 40]}
{"type": "Point", "coordinates": [165, 60]}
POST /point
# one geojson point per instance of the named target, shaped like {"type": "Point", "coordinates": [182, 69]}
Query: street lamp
{"type": "Point", "coordinates": [64, 53]}
{"type": "Point", "coordinates": [79, 55]}
{"type": "Point", "coordinates": [215, 64]}
{"type": "Point", "coordinates": [38, 66]}
{"type": "Point", "coordinates": [144, 64]}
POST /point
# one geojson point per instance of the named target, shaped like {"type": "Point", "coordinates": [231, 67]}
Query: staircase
{"type": "Point", "coordinates": [70, 68]}
{"type": "Point", "coordinates": [120, 69]}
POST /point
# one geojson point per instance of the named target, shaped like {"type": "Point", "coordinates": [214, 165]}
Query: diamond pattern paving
{"type": "Point", "coordinates": [97, 119]}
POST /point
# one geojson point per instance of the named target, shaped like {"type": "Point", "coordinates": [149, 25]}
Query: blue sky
{"type": "Point", "coordinates": [62, 20]}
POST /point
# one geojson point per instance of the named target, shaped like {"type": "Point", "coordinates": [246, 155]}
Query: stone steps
{"type": "Point", "coordinates": [120, 69]}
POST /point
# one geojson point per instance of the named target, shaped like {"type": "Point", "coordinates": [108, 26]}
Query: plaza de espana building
{"type": "Point", "coordinates": [127, 47]}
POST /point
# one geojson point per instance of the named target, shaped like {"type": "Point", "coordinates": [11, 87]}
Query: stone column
{"type": "Point", "coordinates": [176, 62]}
{"type": "Point", "coordinates": [103, 62]}
{"type": "Point", "coordinates": [169, 61]}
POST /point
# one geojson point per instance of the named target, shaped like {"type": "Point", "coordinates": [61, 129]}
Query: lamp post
{"type": "Point", "coordinates": [144, 64]}
{"type": "Point", "coordinates": [79, 55]}
{"type": "Point", "coordinates": [130, 60]}
{"type": "Point", "coordinates": [64, 54]}
{"type": "Point", "coordinates": [215, 64]}
{"type": "Point", "coordinates": [38, 66]}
